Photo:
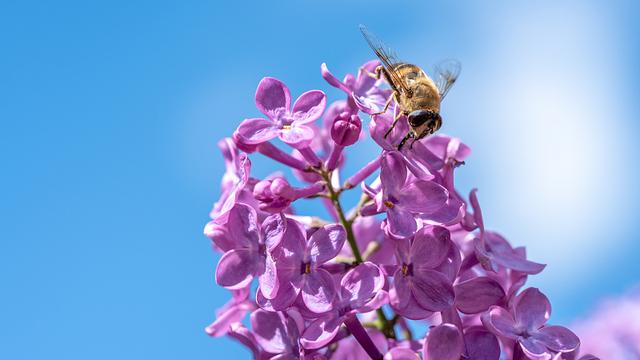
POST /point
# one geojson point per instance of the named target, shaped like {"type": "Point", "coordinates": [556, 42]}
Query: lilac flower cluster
{"type": "Point", "coordinates": [412, 249]}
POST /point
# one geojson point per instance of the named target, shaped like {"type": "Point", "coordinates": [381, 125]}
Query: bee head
{"type": "Point", "coordinates": [428, 120]}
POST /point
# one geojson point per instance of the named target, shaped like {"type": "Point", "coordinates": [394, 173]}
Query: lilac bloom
{"type": "Point", "coordinates": [525, 322]}
{"type": "Point", "coordinates": [360, 291]}
{"type": "Point", "coordinates": [419, 288]}
{"type": "Point", "coordinates": [493, 251]}
{"type": "Point", "coordinates": [362, 90]}
{"type": "Point", "coordinates": [234, 180]}
{"type": "Point", "coordinates": [289, 124]}
{"type": "Point", "coordinates": [403, 200]}
{"type": "Point", "coordinates": [245, 246]}
{"type": "Point", "coordinates": [444, 342]}
{"type": "Point", "coordinates": [232, 312]}
{"type": "Point", "coordinates": [297, 266]}
{"type": "Point", "coordinates": [278, 333]}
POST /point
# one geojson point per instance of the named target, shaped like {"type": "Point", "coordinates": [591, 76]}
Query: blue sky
{"type": "Point", "coordinates": [111, 112]}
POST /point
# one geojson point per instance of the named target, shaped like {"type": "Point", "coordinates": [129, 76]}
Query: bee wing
{"type": "Point", "coordinates": [387, 56]}
{"type": "Point", "coordinates": [446, 73]}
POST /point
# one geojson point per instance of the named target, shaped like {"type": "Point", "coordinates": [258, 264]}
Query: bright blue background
{"type": "Point", "coordinates": [111, 112]}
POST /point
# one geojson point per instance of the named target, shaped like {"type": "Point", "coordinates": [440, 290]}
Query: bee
{"type": "Point", "coordinates": [417, 96]}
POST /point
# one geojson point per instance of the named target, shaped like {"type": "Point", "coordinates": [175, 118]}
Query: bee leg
{"type": "Point", "coordinates": [376, 75]}
{"type": "Point", "coordinates": [404, 140]}
{"type": "Point", "coordinates": [386, 105]}
{"type": "Point", "coordinates": [393, 125]}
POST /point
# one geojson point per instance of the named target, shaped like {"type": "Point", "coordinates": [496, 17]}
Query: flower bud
{"type": "Point", "coordinates": [274, 195]}
{"type": "Point", "coordinates": [346, 128]}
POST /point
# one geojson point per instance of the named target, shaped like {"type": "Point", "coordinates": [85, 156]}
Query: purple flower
{"type": "Point", "coordinates": [525, 322]}
{"type": "Point", "coordinates": [419, 288]}
{"type": "Point", "coordinates": [362, 90]}
{"type": "Point", "coordinates": [402, 199]}
{"type": "Point", "coordinates": [297, 267]}
{"type": "Point", "coordinates": [278, 332]}
{"type": "Point", "coordinates": [289, 124]}
{"type": "Point", "coordinates": [360, 291]}
{"type": "Point", "coordinates": [234, 180]}
{"type": "Point", "coordinates": [493, 251]}
{"type": "Point", "coordinates": [245, 246]}
{"type": "Point", "coordinates": [232, 312]}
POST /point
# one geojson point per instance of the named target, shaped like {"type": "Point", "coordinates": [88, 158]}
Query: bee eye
{"type": "Point", "coordinates": [419, 117]}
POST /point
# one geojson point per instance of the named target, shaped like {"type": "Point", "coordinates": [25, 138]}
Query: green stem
{"type": "Point", "coordinates": [387, 326]}
{"type": "Point", "coordinates": [335, 199]}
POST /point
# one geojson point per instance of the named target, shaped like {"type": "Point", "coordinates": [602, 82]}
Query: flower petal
{"type": "Point", "coordinates": [332, 80]}
{"type": "Point", "coordinates": [558, 338]}
{"type": "Point", "coordinates": [393, 173]}
{"type": "Point", "coordinates": [326, 243]}
{"type": "Point", "coordinates": [444, 342]}
{"type": "Point", "coordinates": [321, 331]}
{"type": "Point", "coordinates": [273, 97]}
{"type": "Point", "coordinates": [481, 344]}
{"type": "Point", "coordinates": [361, 283]}
{"type": "Point", "coordinates": [233, 314]}
{"type": "Point", "coordinates": [398, 353]}
{"type": "Point", "coordinates": [432, 290]}
{"type": "Point", "coordinates": [430, 247]}
{"type": "Point", "coordinates": [297, 136]}
{"type": "Point", "coordinates": [286, 296]}
{"type": "Point", "coordinates": [423, 196]}
{"type": "Point", "coordinates": [309, 107]}
{"type": "Point", "coordinates": [531, 309]}
{"type": "Point", "coordinates": [269, 330]}
{"type": "Point", "coordinates": [256, 131]}
{"type": "Point", "coordinates": [534, 349]}
{"type": "Point", "coordinates": [318, 291]}
{"type": "Point", "coordinates": [268, 280]}
{"type": "Point", "coordinates": [400, 223]}
{"type": "Point", "coordinates": [499, 321]}
{"type": "Point", "coordinates": [236, 268]}
{"type": "Point", "coordinates": [274, 227]}
{"type": "Point", "coordinates": [478, 294]}
{"type": "Point", "coordinates": [242, 226]}
{"type": "Point", "coordinates": [412, 310]}
{"type": "Point", "coordinates": [402, 287]}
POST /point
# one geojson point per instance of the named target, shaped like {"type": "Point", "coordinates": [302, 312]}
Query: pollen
{"type": "Point", "coordinates": [286, 127]}
{"type": "Point", "coordinates": [307, 268]}
{"type": "Point", "coordinates": [389, 204]}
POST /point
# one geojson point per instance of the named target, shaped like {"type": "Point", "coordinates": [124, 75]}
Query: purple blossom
{"type": "Point", "coordinates": [402, 200]}
{"type": "Point", "coordinates": [360, 291]}
{"type": "Point", "coordinates": [362, 90]}
{"type": "Point", "coordinates": [525, 322]}
{"type": "Point", "coordinates": [419, 287]}
{"type": "Point", "coordinates": [289, 124]}
{"type": "Point", "coordinates": [278, 332]}
{"type": "Point", "coordinates": [244, 242]}
{"type": "Point", "coordinates": [348, 285]}
{"type": "Point", "coordinates": [297, 267]}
